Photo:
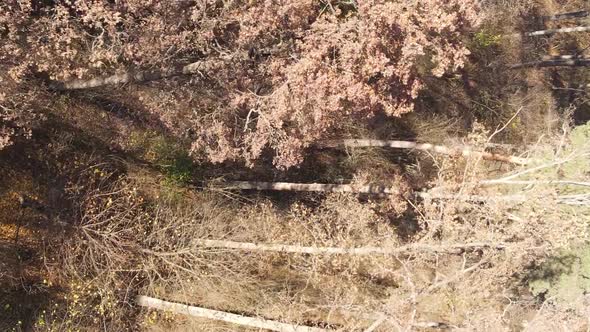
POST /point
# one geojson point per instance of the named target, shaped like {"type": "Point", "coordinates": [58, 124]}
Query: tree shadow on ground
{"type": "Point", "coordinates": [552, 269]}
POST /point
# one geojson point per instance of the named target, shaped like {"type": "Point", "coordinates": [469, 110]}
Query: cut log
{"type": "Point", "coordinates": [318, 187]}
{"type": "Point", "coordinates": [360, 251]}
{"type": "Point", "coordinates": [137, 76]}
{"type": "Point", "coordinates": [464, 151]}
{"type": "Point", "coordinates": [183, 309]}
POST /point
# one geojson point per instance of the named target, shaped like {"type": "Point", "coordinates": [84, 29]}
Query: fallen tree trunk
{"type": "Point", "coordinates": [136, 77]}
{"type": "Point", "coordinates": [473, 198]}
{"type": "Point", "coordinates": [318, 187]}
{"type": "Point", "coordinates": [361, 251]}
{"type": "Point", "coordinates": [580, 87]}
{"type": "Point", "coordinates": [561, 57]}
{"type": "Point", "coordinates": [574, 62]}
{"type": "Point", "coordinates": [567, 16]}
{"type": "Point", "coordinates": [555, 31]}
{"type": "Point", "coordinates": [465, 151]}
{"type": "Point", "coordinates": [183, 309]}
{"type": "Point", "coordinates": [577, 199]}
{"type": "Point", "coordinates": [536, 182]}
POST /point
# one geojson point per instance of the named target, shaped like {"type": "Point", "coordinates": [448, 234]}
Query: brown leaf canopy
{"type": "Point", "coordinates": [296, 69]}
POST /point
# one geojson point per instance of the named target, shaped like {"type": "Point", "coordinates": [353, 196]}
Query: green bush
{"type": "Point", "coordinates": [485, 39]}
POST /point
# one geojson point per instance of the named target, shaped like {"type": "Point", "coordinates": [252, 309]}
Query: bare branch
{"type": "Point", "coordinates": [376, 324]}
{"type": "Point", "coordinates": [539, 167]}
{"type": "Point", "coordinates": [453, 278]}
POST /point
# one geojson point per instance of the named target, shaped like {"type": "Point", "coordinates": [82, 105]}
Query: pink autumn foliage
{"type": "Point", "coordinates": [293, 69]}
{"type": "Point", "coordinates": [333, 62]}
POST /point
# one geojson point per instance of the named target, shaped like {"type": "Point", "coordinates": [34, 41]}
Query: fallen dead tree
{"type": "Point", "coordinates": [555, 31]}
{"type": "Point", "coordinates": [137, 76]}
{"type": "Point", "coordinates": [567, 16]}
{"type": "Point", "coordinates": [577, 199]}
{"type": "Point", "coordinates": [360, 251]}
{"type": "Point", "coordinates": [463, 151]}
{"type": "Point", "coordinates": [561, 57]}
{"type": "Point", "coordinates": [559, 62]}
{"type": "Point", "coordinates": [317, 187]}
{"type": "Point", "coordinates": [183, 309]}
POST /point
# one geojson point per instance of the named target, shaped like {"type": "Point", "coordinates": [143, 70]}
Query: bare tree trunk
{"type": "Point", "coordinates": [361, 251]}
{"type": "Point", "coordinates": [473, 198]}
{"type": "Point", "coordinates": [138, 76]}
{"type": "Point", "coordinates": [576, 199]}
{"type": "Point", "coordinates": [554, 31]}
{"type": "Point", "coordinates": [320, 187]}
{"type": "Point", "coordinates": [227, 317]}
{"type": "Point", "coordinates": [575, 62]}
{"type": "Point", "coordinates": [566, 16]}
{"type": "Point", "coordinates": [561, 57]}
{"type": "Point", "coordinates": [536, 182]}
{"type": "Point", "coordinates": [465, 151]}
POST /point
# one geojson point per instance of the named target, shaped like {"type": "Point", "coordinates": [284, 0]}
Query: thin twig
{"type": "Point", "coordinates": [453, 278]}
{"type": "Point", "coordinates": [497, 131]}
{"type": "Point", "coordinates": [537, 168]}
{"type": "Point", "coordinates": [376, 324]}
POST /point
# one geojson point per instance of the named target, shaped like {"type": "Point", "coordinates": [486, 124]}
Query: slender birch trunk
{"type": "Point", "coordinates": [536, 182]}
{"type": "Point", "coordinates": [555, 31]}
{"type": "Point", "coordinates": [473, 198]}
{"type": "Point", "coordinates": [575, 62]}
{"type": "Point", "coordinates": [465, 151]}
{"type": "Point", "coordinates": [319, 187]}
{"type": "Point", "coordinates": [183, 309]}
{"type": "Point", "coordinates": [567, 16]}
{"type": "Point", "coordinates": [360, 251]}
{"type": "Point", "coordinates": [561, 57]}
{"type": "Point", "coordinates": [576, 199]}
{"type": "Point", "coordinates": [136, 77]}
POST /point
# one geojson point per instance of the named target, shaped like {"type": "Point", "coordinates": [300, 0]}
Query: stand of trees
{"type": "Point", "coordinates": [312, 165]}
